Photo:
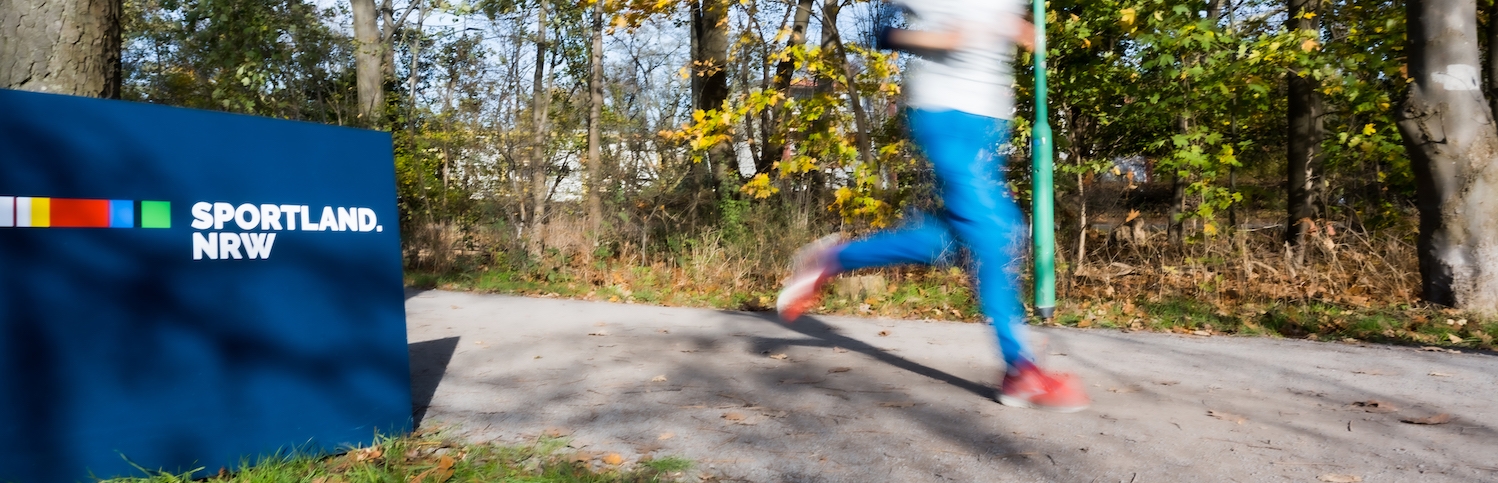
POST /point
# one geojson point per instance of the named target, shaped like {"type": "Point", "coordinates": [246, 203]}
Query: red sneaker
{"type": "Point", "coordinates": [815, 264]}
{"type": "Point", "coordinates": [1030, 387]}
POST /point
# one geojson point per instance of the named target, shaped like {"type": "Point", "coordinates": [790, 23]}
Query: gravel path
{"type": "Point", "coordinates": [835, 399]}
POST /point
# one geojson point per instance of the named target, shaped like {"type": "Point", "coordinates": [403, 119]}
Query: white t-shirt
{"type": "Point", "coordinates": [977, 78]}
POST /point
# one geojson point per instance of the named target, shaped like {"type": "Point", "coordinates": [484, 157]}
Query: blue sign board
{"type": "Point", "coordinates": [185, 289]}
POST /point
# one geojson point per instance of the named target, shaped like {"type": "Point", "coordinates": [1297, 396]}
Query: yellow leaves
{"type": "Point", "coordinates": [1126, 18]}
{"type": "Point", "coordinates": [1310, 45]}
{"type": "Point", "coordinates": [759, 187]}
{"type": "Point", "coordinates": [1210, 229]}
{"type": "Point", "coordinates": [1368, 130]}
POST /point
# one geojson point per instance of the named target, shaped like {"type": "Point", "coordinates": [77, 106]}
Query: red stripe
{"type": "Point", "coordinates": [69, 213]}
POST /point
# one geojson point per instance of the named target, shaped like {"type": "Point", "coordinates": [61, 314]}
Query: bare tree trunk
{"type": "Point", "coordinates": [1492, 90]}
{"type": "Point", "coordinates": [595, 115]}
{"type": "Point", "coordinates": [784, 72]}
{"type": "Point", "coordinates": [388, 27]}
{"type": "Point", "coordinates": [415, 73]}
{"type": "Point", "coordinates": [367, 71]}
{"type": "Point", "coordinates": [860, 119]}
{"type": "Point", "coordinates": [61, 46]}
{"type": "Point", "coordinates": [1449, 131]}
{"type": "Point", "coordinates": [1305, 134]}
{"type": "Point", "coordinates": [541, 102]}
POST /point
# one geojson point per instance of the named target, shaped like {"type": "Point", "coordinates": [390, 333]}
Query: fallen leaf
{"type": "Point", "coordinates": [368, 454]}
{"type": "Point", "coordinates": [839, 369]}
{"type": "Point", "coordinates": [666, 436]}
{"type": "Point", "coordinates": [883, 333]}
{"type": "Point", "coordinates": [1376, 406]}
{"type": "Point", "coordinates": [1200, 332]}
{"type": "Point", "coordinates": [660, 378]}
{"type": "Point", "coordinates": [1454, 338]}
{"type": "Point", "coordinates": [839, 349]}
{"type": "Point", "coordinates": [1440, 374]}
{"type": "Point", "coordinates": [1084, 323]}
{"type": "Point", "coordinates": [1336, 478]}
{"type": "Point", "coordinates": [1432, 349]}
{"type": "Point", "coordinates": [1442, 418]}
{"type": "Point", "coordinates": [613, 459]}
{"type": "Point", "coordinates": [1227, 416]}
{"type": "Point", "coordinates": [733, 416]}
{"type": "Point", "coordinates": [439, 474]}
{"type": "Point", "coordinates": [779, 356]}
{"type": "Point", "coordinates": [900, 404]}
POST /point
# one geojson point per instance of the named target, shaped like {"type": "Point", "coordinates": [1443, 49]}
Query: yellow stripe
{"type": "Point", "coordinates": [41, 212]}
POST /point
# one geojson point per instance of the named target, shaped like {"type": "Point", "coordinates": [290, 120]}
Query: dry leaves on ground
{"type": "Point", "coordinates": [660, 378]}
{"type": "Point", "coordinates": [779, 357]}
{"type": "Point", "coordinates": [613, 459]}
{"type": "Point", "coordinates": [1442, 418]}
{"type": "Point", "coordinates": [839, 349]}
{"type": "Point", "coordinates": [439, 474]}
{"type": "Point", "coordinates": [1227, 416]}
{"type": "Point", "coordinates": [883, 333]}
{"type": "Point", "coordinates": [839, 369]}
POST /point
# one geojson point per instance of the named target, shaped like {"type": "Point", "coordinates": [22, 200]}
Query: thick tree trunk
{"type": "Point", "coordinates": [710, 33]}
{"type": "Point", "coordinates": [367, 71]}
{"type": "Point", "coordinates": [1305, 134]}
{"type": "Point", "coordinates": [61, 46]}
{"type": "Point", "coordinates": [595, 117]}
{"type": "Point", "coordinates": [785, 71]}
{"type": "Point", "coordinates": [541, 102]}
{"type": "Point", "coordinates": [1449, 131]}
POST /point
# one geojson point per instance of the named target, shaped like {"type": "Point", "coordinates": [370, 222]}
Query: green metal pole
{"type": "Point", "coordinates": [1043, 222]}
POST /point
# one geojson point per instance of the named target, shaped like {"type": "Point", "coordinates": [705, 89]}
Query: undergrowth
{"type": "Point", "coordinates": [432, 459]}
{"type": "Point", "coordinates": [1345, 284]}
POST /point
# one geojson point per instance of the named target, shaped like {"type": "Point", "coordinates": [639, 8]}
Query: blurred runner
{"type": "Point", "coordinates": [960, 104]}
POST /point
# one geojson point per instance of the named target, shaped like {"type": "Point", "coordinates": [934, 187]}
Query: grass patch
{"type": "Point", "coordinates": [432, 459]}
{"type": "Point", "coordinates": [1400, 324]}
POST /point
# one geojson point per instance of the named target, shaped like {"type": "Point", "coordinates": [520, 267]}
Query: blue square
{"type": "Point", "coordinates": [121, 214]}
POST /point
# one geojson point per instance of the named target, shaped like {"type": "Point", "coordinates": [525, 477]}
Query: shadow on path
{"type": "Point", "coordinates": [827, 336]}
{"type": "Point", "coordinates": [428, 365]}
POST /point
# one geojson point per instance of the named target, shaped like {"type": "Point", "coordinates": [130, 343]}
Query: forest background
{"type": "Point", "coordinates": [1223, 167]}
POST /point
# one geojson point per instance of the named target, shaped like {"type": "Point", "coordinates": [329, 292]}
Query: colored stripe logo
{"type": "Point", "coordinates": [33, 212]}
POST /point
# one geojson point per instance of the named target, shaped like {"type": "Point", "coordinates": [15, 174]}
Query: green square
{"type": "Point", "coordinates": [155, 214]}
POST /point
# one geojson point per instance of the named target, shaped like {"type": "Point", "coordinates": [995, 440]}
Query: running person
{"type": "Point", "coordinates": [960, 104]}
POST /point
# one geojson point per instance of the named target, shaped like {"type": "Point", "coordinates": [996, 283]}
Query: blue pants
{"type": "Point", "coordinates": [978, 214]}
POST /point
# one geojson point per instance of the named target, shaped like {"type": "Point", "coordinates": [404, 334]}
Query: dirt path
{"type": "Point", "coordinates": [833, 399]}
